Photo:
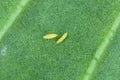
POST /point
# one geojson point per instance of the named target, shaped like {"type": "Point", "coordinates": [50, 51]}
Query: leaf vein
{"type": "Point", "coordinates": [13, 18]}
{"type": "Point", "coordinates": [101, 48]}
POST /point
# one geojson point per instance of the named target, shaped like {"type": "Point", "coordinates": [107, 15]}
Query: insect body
{"type": "Point", "coordinates": [62, 38]}
{"type": "Point", "coordinates": [50, 36]}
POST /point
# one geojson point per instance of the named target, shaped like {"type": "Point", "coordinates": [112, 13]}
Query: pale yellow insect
{"type": "Point", "coordinates": [62, 38]}
{"type": "Point", "coordinates": [50, 36]}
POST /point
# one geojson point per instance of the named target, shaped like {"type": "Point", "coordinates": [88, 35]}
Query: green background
{"type": "Point", "coordinates": [29, 57]}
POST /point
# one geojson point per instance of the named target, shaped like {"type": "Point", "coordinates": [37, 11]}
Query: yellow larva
{"type": "Point", "coordinates": [50, 36]}
{"type": "Point", "coordinates": [62, 38]}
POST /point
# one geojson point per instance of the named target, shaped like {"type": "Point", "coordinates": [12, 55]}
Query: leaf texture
{"type": "Point", "coordinates": [91, 51]}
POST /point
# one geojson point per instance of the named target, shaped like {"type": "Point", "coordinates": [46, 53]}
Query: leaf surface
{"type": "Point", "coordinates": [90, 52]}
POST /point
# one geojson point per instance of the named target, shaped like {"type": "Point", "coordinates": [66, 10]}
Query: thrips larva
{"type": "Point", "coordinates": [62, 38]}
{"type": "Point", "coordinates": [50, 36]}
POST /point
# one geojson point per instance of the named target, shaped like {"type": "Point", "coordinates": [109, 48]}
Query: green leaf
{"type": "Point", "coordinates": [90, 52]}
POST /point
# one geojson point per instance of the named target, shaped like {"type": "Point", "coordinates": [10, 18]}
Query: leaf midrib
{"type": "Point", "coordinates": [13, 17]}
